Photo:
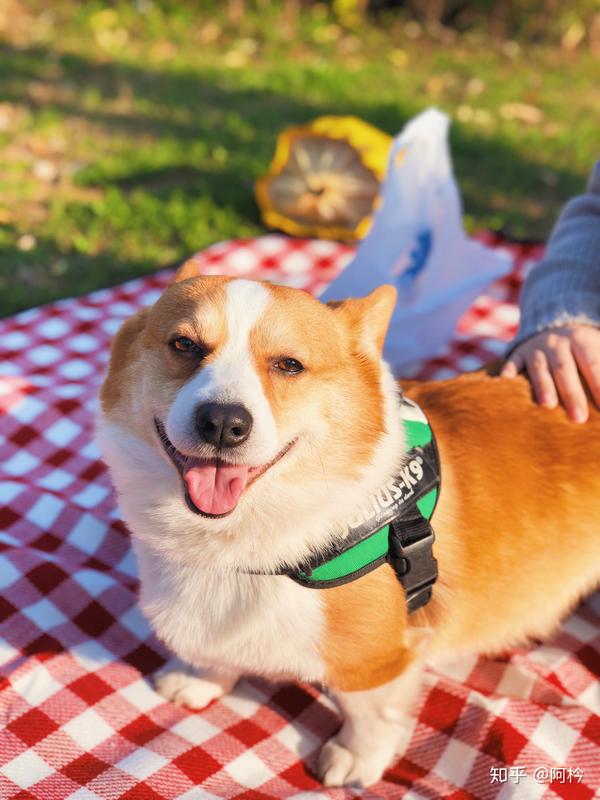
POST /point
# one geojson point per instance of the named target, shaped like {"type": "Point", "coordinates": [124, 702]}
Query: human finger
{"type": "Point", "coordinates": [586, 349]}
{"type": "Point", "coordinates": [568, 380]}
{"type": "Point", "coordinates": [541, 379]}
{"type": "Point", "coordinates": [513, 366]}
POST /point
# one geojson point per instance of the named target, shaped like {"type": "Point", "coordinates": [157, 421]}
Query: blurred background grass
{"type": "Point", "coordinates": [131, 132]}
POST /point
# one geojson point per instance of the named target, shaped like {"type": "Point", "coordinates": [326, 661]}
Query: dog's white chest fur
{"type": "Point", "coordinates": [245, 623]}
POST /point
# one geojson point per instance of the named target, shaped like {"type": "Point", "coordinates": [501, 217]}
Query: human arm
{"type": "Point", "coordinates": [558, 342]}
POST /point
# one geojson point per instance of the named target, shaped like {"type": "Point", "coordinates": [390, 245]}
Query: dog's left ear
{"type": "Point", "coordinates": [189, 269]}
{"type": "Point", "coordinates": [368, 317]}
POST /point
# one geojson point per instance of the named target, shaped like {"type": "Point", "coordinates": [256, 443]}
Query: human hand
{"type": "Point", "coordinates": [559, 362]}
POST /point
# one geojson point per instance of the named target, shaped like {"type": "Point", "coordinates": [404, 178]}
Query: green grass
{"type": "Point", "coordinates": [130, 136]}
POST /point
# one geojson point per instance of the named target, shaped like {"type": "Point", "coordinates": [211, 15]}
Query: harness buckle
{"type": "Point", "coordinates": [411, 556]}
{"type": "Point", "coordinates": [419, 598]}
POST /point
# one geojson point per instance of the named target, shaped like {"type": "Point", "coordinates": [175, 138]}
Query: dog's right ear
{"type": "Point", "coordinates": [125, 340]}
{"type": "Point", "coordinates": [189, 269]}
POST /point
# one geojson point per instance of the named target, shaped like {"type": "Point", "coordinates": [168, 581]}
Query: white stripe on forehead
{"type": "Point", "coordinates": [246, 303]}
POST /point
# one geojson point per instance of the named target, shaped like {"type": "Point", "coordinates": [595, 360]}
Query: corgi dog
{"type": "Point", "coordinates": [245, 424]}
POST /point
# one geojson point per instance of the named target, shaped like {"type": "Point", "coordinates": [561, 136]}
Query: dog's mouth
{"type": "Point", "coordinates": [212, 487]}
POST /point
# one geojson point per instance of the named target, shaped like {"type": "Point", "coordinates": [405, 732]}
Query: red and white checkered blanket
{"type": "Point", "coordinates": [79, 716]}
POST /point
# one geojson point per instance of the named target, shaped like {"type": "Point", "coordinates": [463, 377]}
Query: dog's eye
{"type": "Point", "coordinates": [184, 345]}
{"type": "Point", "coordinates": [289, 365]}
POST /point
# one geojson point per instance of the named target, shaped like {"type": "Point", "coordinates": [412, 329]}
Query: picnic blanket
{"type": "Point", "coordinates": [79, 717]}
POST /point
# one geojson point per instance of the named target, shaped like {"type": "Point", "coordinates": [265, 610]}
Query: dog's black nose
{"type": "Point", "coordinates": [223, 425]}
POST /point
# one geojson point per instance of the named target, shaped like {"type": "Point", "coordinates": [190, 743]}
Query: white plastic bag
{"type": "Point", "coordinates": [417, 243]}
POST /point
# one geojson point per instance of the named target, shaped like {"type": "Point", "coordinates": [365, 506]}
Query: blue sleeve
{"type": "Point", "coordinates": [564, 288]}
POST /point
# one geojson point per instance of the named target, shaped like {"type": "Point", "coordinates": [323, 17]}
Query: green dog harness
{"type": "Point", "coordinates": [393, 526]}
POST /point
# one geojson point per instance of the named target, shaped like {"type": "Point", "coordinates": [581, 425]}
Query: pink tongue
{"type": "Point", "coordinates": [216, 488]}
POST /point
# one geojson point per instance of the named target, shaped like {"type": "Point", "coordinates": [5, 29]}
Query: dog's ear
{"type": "Point", "coordinates": [126, 338]}
{"type": "Point", "coordinates": [368, 317]}
{"type": "Point", "coordinates": [189, 269]}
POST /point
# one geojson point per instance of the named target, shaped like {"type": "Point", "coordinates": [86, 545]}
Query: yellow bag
{"type": "Point", "coordinates": [324, 178]}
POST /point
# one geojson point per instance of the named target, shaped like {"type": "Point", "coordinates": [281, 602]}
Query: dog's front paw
{"type": "Point", "coordinates": [184, 689]}
{"type": "Point", "coordinates": [338, 766]}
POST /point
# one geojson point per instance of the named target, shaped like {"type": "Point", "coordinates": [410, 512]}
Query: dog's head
{"type": "Point", "coordinates": [248, 394]}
